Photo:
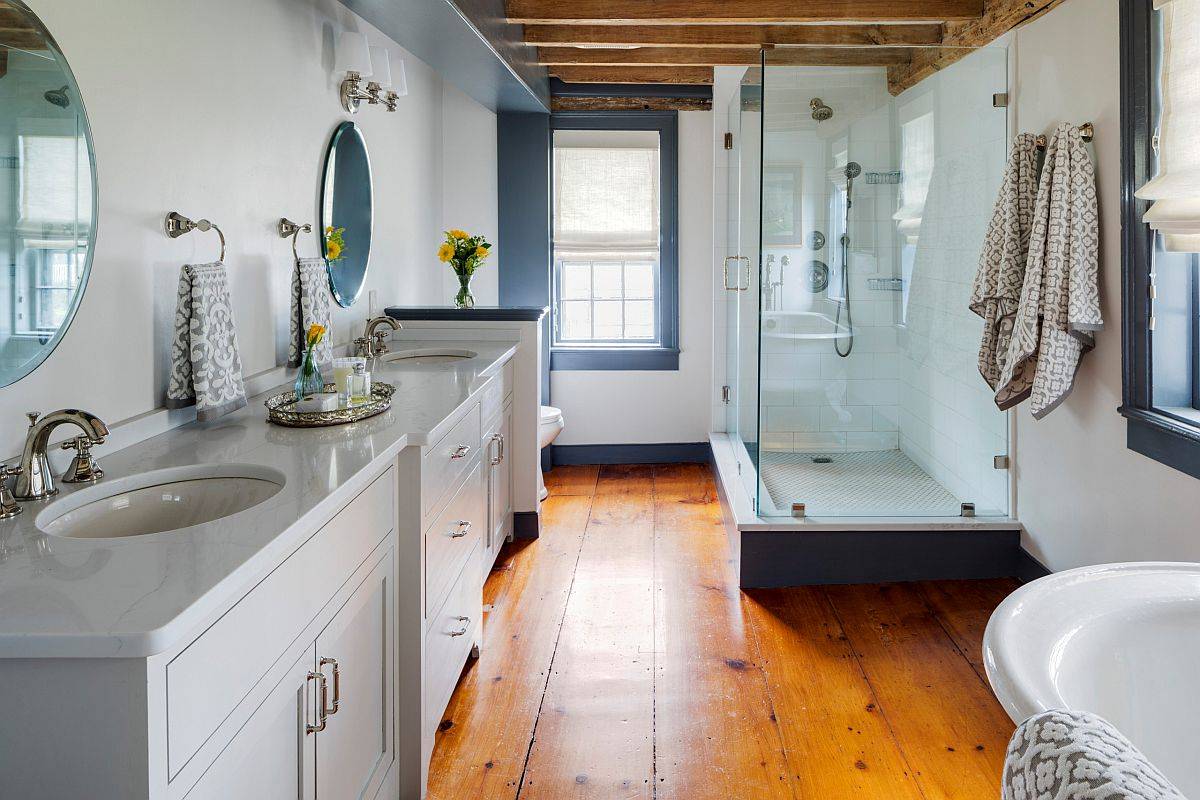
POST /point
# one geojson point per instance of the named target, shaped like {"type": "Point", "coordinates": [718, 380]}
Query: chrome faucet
{"type": "Point", "coordinates": [374, 342]}
{"type": "Point", "coordinates": [35, 481]}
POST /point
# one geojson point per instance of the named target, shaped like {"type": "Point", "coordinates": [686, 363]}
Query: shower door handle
{"type": "Point", "coordinates": [737, 276]}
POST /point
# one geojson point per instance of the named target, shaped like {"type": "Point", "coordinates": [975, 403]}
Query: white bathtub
{"type": "Point", "coordinates": [1119, 640]}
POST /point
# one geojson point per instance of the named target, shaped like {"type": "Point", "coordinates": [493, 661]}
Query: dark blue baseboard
{"type": "Point", "coordinates": [526, 525]}
{"type": "Point", "coordinates": [568, 454]}
{"type": "Point", "coordinates": [773, 559]}
{"type": "Point", "coordinates": [1029, 568]}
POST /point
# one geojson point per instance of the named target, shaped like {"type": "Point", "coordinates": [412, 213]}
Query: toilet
{"type": "Point", "coordinates": [550, 425]}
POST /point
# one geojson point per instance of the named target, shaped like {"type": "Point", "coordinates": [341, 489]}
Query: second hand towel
{"type": "Point", "coordinates": [310, 306]}
{"type": "Point", "coordinates": [206, 368]}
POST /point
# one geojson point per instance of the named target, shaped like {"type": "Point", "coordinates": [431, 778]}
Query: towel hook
{"type": "Point", "coordinates": [288, 228]}
{"type": "Point", "coordinates": [177, 225]}
{"type": "Point", "coordinates": [1086, 131]}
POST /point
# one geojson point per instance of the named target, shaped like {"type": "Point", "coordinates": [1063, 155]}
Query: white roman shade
{"type": "Point", "coordinates": [606, 192]}
{"type": "Point", "coordinates": [1175, 190]}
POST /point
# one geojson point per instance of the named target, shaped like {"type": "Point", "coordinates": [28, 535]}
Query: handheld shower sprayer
{"type": "Point", "coordinates": [852, 170]}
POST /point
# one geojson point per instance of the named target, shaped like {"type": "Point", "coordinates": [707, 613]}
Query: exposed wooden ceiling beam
{"type": "Point", "coordinates": [736, 56]}
{"type": "Point", "coordinates": [999, 17]}
{"type": "Point", "coordinates": [570, 103]}
{"type": "Point", "coordinates": [609, 12]}
{"type": "Point", "coordinates": [749, 36]}
{"type": "Point", "coordinates": [601, 74]}
{"type": "Point", "coordinates": [22, 39]}
{"type": "Point", "coordinates": [3, 63]}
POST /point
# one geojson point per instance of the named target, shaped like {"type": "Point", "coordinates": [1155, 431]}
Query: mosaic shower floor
{"type": "Point", "coordinates": [878, 483]}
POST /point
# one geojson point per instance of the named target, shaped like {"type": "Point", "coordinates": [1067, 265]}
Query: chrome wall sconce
{"type": "Point", "coordinates": [360, 62]}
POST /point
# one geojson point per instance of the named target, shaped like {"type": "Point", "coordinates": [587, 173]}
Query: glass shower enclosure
{"type": "Point", "coordinates": [858, 199]}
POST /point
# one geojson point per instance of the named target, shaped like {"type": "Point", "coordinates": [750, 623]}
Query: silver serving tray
{"type": "Point", "coordinates": [279, 409]}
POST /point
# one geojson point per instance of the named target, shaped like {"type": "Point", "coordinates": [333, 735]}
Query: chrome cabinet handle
{"type": "Point", "coordinates": [464, 527]}
{"type": "Point", "coordinates": [323, 696]}
{"type": "Point", "coordinates": [725, 273]}
{"type": "Point", "coordinates": [337, 687]}
{"type": "Point", "coordinates": [463, 630]}
{"type": "Point", "coordinates": [498, 438]}
{"type": "Point", "coordinates": [460, 451]}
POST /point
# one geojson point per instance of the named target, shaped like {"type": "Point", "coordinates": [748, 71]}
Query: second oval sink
{"type": "Point", "coordinates": [160, 501]}
{"type": "Point", "coordinates": [430, 355]}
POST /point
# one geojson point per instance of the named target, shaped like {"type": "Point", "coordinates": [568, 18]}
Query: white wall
{"type": "Point", "coordinates": [613, 407]}
{"type": "Point", "coordinates": [222, 110]}
{"type": "Point", "coordinates": [1084, 497]}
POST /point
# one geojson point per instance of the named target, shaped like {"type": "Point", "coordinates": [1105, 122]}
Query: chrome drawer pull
{"type": "Point", "coordinates": [463, 630]}
{"type": "Point", "coordinates": [323, 694]}
{"type": "Point", "coordinates": [337, 686]}
{"type": "Point", "coordinates": [460, 451]}
{"type": "Point", "coordinates": [498, 438]}
{"type": "Point", "coordinates": [464, 527]}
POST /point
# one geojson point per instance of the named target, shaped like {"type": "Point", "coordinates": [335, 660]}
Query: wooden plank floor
{"type": "Point", "coordinates": [620, 660]}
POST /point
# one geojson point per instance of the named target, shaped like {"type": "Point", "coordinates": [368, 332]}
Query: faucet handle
{"type": "Point", "coordinates": [33, 417]}
{"type": "Point", "coordinates": [9, 507]}
{"type": "Point", "coordinates": [83, 468]}
{"type": "Point", "coordinates": [380, 347]}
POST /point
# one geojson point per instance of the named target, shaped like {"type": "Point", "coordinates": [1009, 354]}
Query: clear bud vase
{"type": "Point", "coordinates": [464, 298]}
{"type": "Point", "coordinates": [309, 380]}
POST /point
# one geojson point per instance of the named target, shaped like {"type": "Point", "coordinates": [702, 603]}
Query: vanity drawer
{"type": "Point", "coordinates": [446, 649]}
{"type": "Point", "coordinates": [213, 674]}
{"type": "Point", "coordinates": [444, 462]}
{"type": "Point", "coordinates": [448, 542]}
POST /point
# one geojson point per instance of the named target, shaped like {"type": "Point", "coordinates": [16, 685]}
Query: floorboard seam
{"type": "Point", "coordinates": [762, 673]}
{"type": "Point", "coordinates": [950, 635]}
{"type": "Point", "coordinates": [913, 773]}
{"type": "Point", "coordinates": [553, 653]}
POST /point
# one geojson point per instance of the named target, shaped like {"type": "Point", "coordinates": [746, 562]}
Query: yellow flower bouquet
{"type": "Point", "coordinates": [464, 254]}
{"type": "Point", "coordinates": [335, 244]}
{"type": "Point", "coordinates": [309, 380]}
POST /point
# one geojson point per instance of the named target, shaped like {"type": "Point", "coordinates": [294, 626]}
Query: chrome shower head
{"type": "Point", "coordinates": [58, 97]}
{"type": "Point", "coordinates": [820, 111]}
{"type": "Point", "coordinates": [853, 170]}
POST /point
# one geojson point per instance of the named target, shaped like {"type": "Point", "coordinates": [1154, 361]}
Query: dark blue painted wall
{"type": "Point", "coordinates": [523, 246]}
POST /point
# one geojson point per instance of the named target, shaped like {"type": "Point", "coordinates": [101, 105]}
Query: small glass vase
{"type": "Point", "coordinates": [309, 379]}
{"type": "Point", "coordinates": [464, 298]}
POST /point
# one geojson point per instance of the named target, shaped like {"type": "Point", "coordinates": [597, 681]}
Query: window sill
{"type": "Point", "coordinates": [631, 359]}
{"type": "Point", "coordinates": [1164, 438]}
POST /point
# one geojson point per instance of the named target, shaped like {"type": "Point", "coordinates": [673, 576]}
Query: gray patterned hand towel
{"type": "Point", "coordinates": [1073, 755]}
{"type": "Point", "coordinates": [206, 369]}
{"type": "Point", "coordinates": [310, 306]}
{"type": "Point", "coordinates": [996, 293]}
{"type": "Point", "coordinates": [1060, 299]}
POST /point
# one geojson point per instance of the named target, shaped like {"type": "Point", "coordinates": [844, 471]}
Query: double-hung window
{"type": "Point", "coordinates": [1160, 53]}
{"type": "Point", "coordinates": [614, 248]}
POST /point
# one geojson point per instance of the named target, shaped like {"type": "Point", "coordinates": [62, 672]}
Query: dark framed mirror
{"type": "Point", "coordinates": [47, 193]}
{"type": "Point", "coordinates": [347, 212]}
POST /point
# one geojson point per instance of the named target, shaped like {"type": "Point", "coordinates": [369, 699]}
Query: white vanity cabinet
{"type": "Point", "coordinates": [497, 407]}
{"type": "Point", "coordinates": [290, 692]}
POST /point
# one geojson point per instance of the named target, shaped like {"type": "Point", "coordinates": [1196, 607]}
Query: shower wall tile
{"type": "Point", "coordinates": [872, 440]}
{"type": "Point", "coordinates": [793, 419]}
{"type": "Point", "coordinates": [847, 418]}
{"type": "Point", "coordinates": [825, 441]}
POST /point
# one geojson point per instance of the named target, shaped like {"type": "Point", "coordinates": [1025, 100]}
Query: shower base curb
{"type": "Point", "coordinates": [777, 552]}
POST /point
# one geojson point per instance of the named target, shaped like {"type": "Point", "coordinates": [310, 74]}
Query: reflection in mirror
{"type": "Point", "coordinates": [47, 194]}
{"type": "Point", "coordinates": [346, 212]}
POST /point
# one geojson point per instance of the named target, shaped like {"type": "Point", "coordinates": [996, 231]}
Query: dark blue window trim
{"type": "Point", "coordinates": [664, 356]}
{"type": "Point", "coordinates": [1155, 434]}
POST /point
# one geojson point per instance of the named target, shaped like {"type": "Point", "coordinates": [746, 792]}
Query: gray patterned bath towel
{"type": "Point", "coordinates": [996, 293]}
{"type": "Point", "coordinates": [310, 306]}
{"type": "Point", "coordinates": [206, 369]}
{"type": "Point", "coordinates": [1060, 300]}
{"type": "Point", "coordinates": [1073, 755]}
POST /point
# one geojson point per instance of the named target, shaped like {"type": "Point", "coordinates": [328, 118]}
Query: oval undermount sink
{"type": "Point", "coordinates": [430, 355]}
{"type": "Point", "coordinates": [160, 501]}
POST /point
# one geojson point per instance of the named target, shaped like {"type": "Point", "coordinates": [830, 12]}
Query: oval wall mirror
{"type": "Point", "coordinates": [47, 193]}
{"type": "Point", "coordinates": [346, 212]}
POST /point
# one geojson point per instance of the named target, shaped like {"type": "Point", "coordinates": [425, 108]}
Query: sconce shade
{"type": "Point", "coordinates": [381, 67]}
{"type": "Point", "coordinates": [353, 54]}
{"type": "Point", "coordinates": [400, 80]}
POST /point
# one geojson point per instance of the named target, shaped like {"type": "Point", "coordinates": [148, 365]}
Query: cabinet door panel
{"type": "Point", "coordinates": [271, 757]}
{"type": "Point", "coordinates": [357, 746]}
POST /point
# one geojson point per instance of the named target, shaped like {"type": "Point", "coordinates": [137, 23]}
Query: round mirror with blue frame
{"type": "Point", "coordinates": [47, 194]}
{"type": "Point", "coordinates": [346, 212]}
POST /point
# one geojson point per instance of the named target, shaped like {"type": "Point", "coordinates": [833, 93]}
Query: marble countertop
{"type": "Point", "coordinates": [139, 596]}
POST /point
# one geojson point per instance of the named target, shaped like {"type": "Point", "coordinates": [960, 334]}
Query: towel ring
{"type": "Point", "coordinates": [177, 225]}
{"type": "Point", "coordinates": [288, 228]}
